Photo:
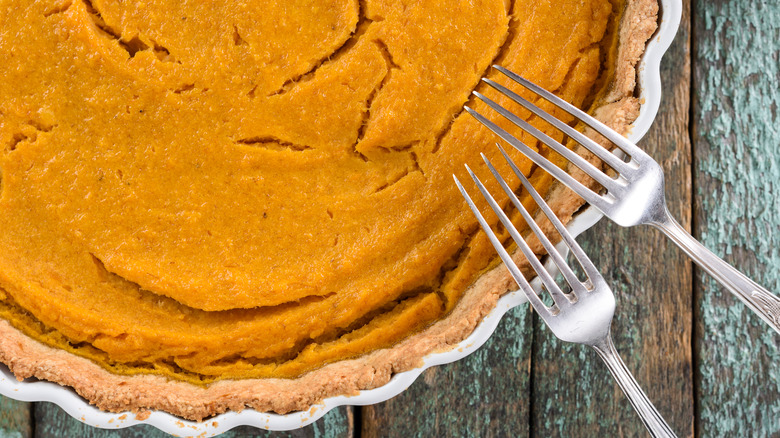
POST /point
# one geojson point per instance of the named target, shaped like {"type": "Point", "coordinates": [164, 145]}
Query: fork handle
{"type": "Point", "coordinates": [758, 299]}
{"type": "Point", "coordinates": [652, 420]}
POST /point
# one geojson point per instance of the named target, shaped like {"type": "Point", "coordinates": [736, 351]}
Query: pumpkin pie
{"type": "Point", "coordinates": [208, 206]}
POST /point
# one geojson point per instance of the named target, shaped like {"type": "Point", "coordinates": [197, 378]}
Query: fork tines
{"type": "Point", "coordinates": [560, 299]}
{"type": "Point", "coordinates": [612, 185]}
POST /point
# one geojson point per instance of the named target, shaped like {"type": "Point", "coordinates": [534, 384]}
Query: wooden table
{"type": "Point", "coordinates": [710, 366]}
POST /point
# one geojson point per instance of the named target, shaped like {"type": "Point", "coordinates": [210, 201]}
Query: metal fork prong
{"type": "Point", "coordinates": [623, 143]}
{"type": "Point", "coordinates": [520, 279]}
{"type": "Point", "coordinates": [547, 280]}
{"type": "Point", "coordinates": [590, 269]}
{"type": "Point", "coordinates": [602, 153]}
{"type": "Point", "coordinates": [590, 196]}
{"type": "Point", "coordinates": [568, 274]}
{"type": "Point", "coordinates": [597, 174]}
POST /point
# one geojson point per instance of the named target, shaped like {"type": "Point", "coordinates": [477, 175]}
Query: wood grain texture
{"type": "Point", "coordinates": [485, 394]}
{"type": "Point", "coordinates": [53, 422]}
{"type": "Point", "coordinates": [737, 210]}
{"type": "Point", "coordinates": [573, 392]}
{"type": "Point", "coordinates": [15, 419]}
{"type": "Point", "coordinates": [338, 423]}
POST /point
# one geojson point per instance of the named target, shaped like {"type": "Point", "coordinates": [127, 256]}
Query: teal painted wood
{"type": "Point", "coordinates": [53, 422]}
{"type": "Point", "coordinates": [338, 423]}
{"type": "Point", "coordinates": [737, 175]}
{"type": "Point", "coordinates": [574, 394]}
{"type": "Point", "coordinates": [486, 394]}
{"type": "Point", "coordinates": [15, 421]}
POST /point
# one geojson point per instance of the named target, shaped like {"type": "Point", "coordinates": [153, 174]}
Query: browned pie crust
{"type": "Point", "coordinates": [28, 358]}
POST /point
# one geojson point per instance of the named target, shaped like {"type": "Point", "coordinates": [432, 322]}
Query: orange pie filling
{"type": "Point", "coordinates": [227, 190]}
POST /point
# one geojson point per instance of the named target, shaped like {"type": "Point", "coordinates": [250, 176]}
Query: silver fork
{"type": "Point", "coordinates": [583, 316]}
{"type": "Point", "coordinates": [635, 196]}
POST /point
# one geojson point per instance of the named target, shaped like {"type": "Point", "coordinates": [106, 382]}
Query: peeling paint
{"type": "Point", "coordinates": [737, 147]}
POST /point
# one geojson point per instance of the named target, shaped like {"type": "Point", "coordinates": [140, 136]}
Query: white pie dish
{"type": "Point", "coordinates": [74, 405]}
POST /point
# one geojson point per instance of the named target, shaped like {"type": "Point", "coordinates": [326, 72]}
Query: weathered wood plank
{"type": "Point", "coordinates": [52, 422]}
{"type": "Point", "coordinates": [485, 394]}
{"type": "Point", "coordinates": [338, 423]}
{"type": "Point", "coordinates": [737, 210]}
{"type": "Point", "coordinates": [573, 392]}
{"type": "Point", "coordinates": [15, 421]}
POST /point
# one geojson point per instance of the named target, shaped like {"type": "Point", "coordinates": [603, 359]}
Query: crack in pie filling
{"type": "Point", "coordinates": [214, 205]}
